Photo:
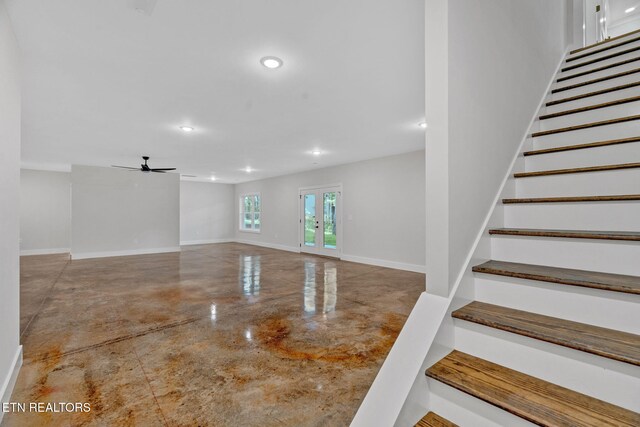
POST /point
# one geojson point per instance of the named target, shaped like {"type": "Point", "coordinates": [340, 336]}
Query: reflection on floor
{"type": "Point", "coordinates": [224, 334]}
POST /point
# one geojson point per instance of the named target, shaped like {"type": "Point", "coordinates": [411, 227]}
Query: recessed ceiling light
{"type": "Point", "coordinates": [271, 62]}
{"type": "Point", "coordinates": [248, 169]}
{"type": "Point", "coordinates": [423, 125]}
{"type": "Point", "coordinates": [186, 128]}
{"type": "Point", "coordinates": [316, 152]}
{"type": "Point", "coordinates": [631, 9]}
{"type": "Point", "coordinates": [213, 178]}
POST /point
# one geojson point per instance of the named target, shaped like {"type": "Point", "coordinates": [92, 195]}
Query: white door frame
{"type": "Point", "coordinates": [337, 252]}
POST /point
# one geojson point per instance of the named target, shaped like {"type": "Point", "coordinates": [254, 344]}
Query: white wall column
{"type": "Point", "coordinates": [437, 145]}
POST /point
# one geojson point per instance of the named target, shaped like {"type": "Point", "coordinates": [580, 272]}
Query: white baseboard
{"type": "Point", "coordinates": [205, 242]}
{"type": "Point", "coordinates": [269, 245]}
{"type": "Point", "coordinates": [10, 381]}
{"type": "Point", "coordinates": [27, 252]}
{"type": "Point", "coordinates": [353, 258]}
{"type": "Point", "coordinates": [384, 263]}
{"type": "Point", "coordinates": [86, 255]}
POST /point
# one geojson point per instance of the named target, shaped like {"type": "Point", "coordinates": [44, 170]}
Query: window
{"type": "Point", "coordinates": [250, 212]}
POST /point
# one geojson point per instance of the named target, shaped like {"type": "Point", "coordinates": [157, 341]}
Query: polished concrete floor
{"type": "Point", "coordinates": [220, 335]}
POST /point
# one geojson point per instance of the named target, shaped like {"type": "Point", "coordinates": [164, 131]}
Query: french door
{"type": "Point", "coordinates": [320, 220]}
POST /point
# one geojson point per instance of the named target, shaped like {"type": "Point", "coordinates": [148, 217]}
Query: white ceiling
{"type": "Point", "coordinates": [616, 11]}
{"type": "Point", "coordinates": [104, 84]}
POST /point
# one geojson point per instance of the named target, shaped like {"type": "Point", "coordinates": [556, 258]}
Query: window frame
{"type": "Point", "coordinates": [253, 213]}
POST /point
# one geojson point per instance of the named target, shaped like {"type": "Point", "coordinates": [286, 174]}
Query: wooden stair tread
{"type": "Point", "coordinates": [531, 398]}
{"type": "Point", "coordinates": [602, 58]}
{"type": "Point", "coordinates": [586, 126]}
{"type": "Point", "coordinates": [590, 108]}
{"type": "Point", "coordinates": [599, 79]}
{"type": "Point", "coordinates": [604, 42]}
{"type": "Point", "coordinates": [633, 236]}
{"type": "Point", "coordinates": [434, 420]}
{"type": "Point", "coordinates": [590, 94]}
{"type": "Point", "coordinates": [609, 343]}
{"type": "Point", "coordinates": [612, 198]}
{"type": "Point", "coordinates": [577, 170]}
{"type": "Point", "coordinates": [565, 276]}
{"type": "Point", "coordinates": [582, 146]}
{"type": "Point", "coordinates": [603, 49]}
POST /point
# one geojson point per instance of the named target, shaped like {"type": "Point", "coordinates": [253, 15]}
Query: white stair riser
{"type": "Point", "coordinates": [611, 154]}
{"type": "Point", "coordinates": [622, 216]}
{"type": "Point", "coordinates": [599, 133]}
{"type": "Point", "coordinates": [592, 375]}
{"type": "Point", "coordinates": [631, 35]}
{"type": "Point", "coordinates": [578, 304]}
{"type": "Point", "coordinates": [579, 77]}
{"type": "Point", "coordinates": [622, 181]}
{"type": "Point", "coordinates": [605, 113]}
{"type": "Point", "coordinates": [607, 52]}
{"type": "Point", "coordinates": [603, 63]}
{"type": "Point", "coordinates": [591, 100]}
{"type": "Point", "coordinates": [583, 254]}
{"type": "Point", "coordinates": [592, 87]}
{"type": "Point", "coordinates": [465, 410]}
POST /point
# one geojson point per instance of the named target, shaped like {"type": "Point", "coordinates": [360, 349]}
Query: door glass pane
{"type": "Point", "coordinates": [329, 216]}
{"type": "Point", "coordinates": [256, 204]}
{"type": "Point", "coordinates": [256, 221]}
{"type": "Point", "coordinates": [309, 219]}
{"type": "Point", "coordinates": [247, 221]}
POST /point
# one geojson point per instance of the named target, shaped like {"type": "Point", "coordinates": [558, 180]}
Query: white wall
{"type": "Point", "coordinates": [45, 212]}
{"type": "Point", "coordinates": [590, 24]}
{"type": "Point", "coordinates": [575, 22]}
{"type": "Point", "coordinates": [624, 26]}
{"type": "Point", "coordinates": [206, 212]}
{"type": "Point", "coordinates": [119, 212]}
{"type": "Point", "coordinates": [383, 209]}
{"type": "Point", "coordinates": [499, 57]}
{"type": "Point", "coordinates": [10, 354]}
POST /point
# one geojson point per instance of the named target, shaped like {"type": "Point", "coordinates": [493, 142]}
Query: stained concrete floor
{"type": "Point", "coordinates": [220, 335]}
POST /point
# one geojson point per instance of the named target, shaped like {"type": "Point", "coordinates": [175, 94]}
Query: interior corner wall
{"type": "Point", "coordinates": [10, 101]}
{"type": "Point", "coordinates": [383, 209]}
{"type": "Point", "coordinates": [206, 212]}
{"type": "Point", "coordinates": [45, 212]}
{"type": "Point", "coordinates": [118, 212]}
{"type": "Point", "coordinates": [502, 55]}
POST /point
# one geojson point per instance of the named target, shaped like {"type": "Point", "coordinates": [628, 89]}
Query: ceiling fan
{"type": "Point", "coordinates": [145, 167]}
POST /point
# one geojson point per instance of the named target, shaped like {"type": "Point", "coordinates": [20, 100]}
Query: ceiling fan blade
{"type": "Point", "coordinates": [157, 171]}
{"type": "Point", "coordinates": [125, 167]}
{"type": "Point", "coordinates": [163, 169]}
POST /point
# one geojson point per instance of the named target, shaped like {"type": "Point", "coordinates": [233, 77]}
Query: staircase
{"type": "Point", "coordinates": [548, 334]}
